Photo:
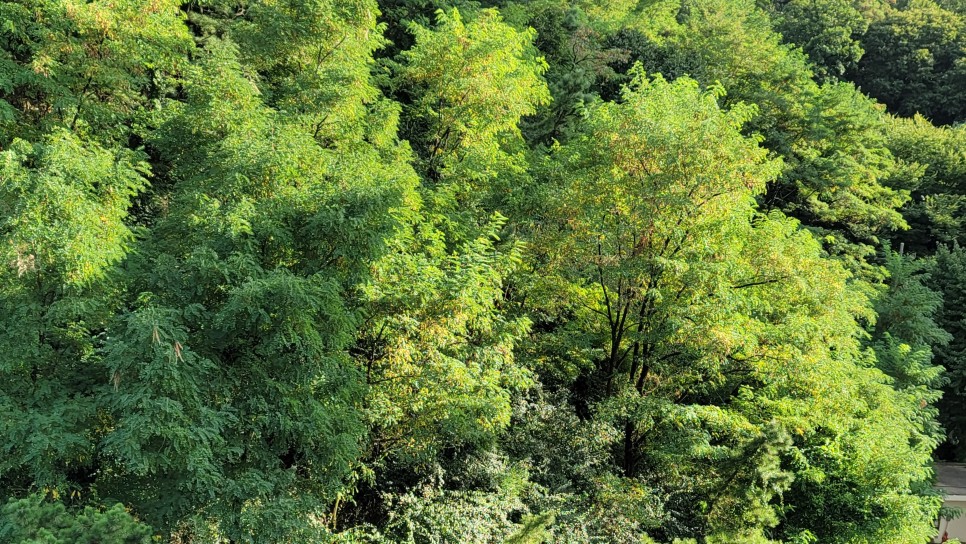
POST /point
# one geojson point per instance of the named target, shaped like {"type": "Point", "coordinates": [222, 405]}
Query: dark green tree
{"type": "Point", "coordinates": [948, 280]}
{"type": "Point", "coordinates": [32, 519]}
{"type": "Point", "coordinates": [829, 31]}
{"type": "Point", "coordinates": [936, 173]}
{"type": "Point", "coordinates": [914, 62]}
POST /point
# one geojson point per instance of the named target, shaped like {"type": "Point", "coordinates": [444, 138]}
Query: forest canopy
{"type": "Point", "coordinates": [522, 271]}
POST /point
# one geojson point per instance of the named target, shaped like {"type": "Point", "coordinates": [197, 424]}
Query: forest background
{"type": "Point", "coordinates": [565, 271]}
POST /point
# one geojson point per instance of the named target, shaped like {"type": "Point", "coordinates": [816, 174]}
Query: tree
{"type": "Point", "coordinates": [705, 333]}
{"type": "Point", "coordinates": [906, 336]}
{"type": "Point", "coordinates": [574, 38]}
{"type": "Point", "coordinates": [63, 225]}
{"type": "Point", "coordinates": [203, 379]}
{"type": "Point", "coordinates": [74, 81]}
{"type": "Point", "coordinates": [947, 279]}
{"type": "Point", "coordinates": [937, 177]}
{"type": "Point", "coordinates": [914, 62]}
{"type": "Point", "coordinates": [830, 136]}
{"type": "Point", "coordinates": [436, 345]}
{"type": "Point", "coordinates": [829, 31]}
{"type": "Point", "coordinates": [87, 68]}
{"type": "Point", "coordinates": [33, 519]}
{"type": "Point", "coordinates": [644, 230]}
{"type": "Point", "coordinates": [230, 368]}
{"type": "Point", "coordinates": [470, 84]}
{"type": "Point", "coordinates": [438, 350]}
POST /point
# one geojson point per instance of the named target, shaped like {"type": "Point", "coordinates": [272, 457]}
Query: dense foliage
{"type": "Point", "coordinates": [525, 271]}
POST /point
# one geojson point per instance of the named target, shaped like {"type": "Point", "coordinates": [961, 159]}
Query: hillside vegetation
{"type": "Point", "coordinates": [521, 271]}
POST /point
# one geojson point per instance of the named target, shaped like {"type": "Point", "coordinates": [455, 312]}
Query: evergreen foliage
{"type": "Point", "coordinates": [31, 519]}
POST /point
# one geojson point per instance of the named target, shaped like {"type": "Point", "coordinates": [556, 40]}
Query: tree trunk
{"type": "Point", "coordinates": [630, 456]}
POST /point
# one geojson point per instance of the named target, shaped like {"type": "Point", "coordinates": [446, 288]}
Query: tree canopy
{"type": "Point", "coordinates": [412, 271]}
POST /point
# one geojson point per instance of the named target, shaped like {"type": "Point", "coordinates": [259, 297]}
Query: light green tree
{"type": "Point", "coordinates": [471, 83]}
